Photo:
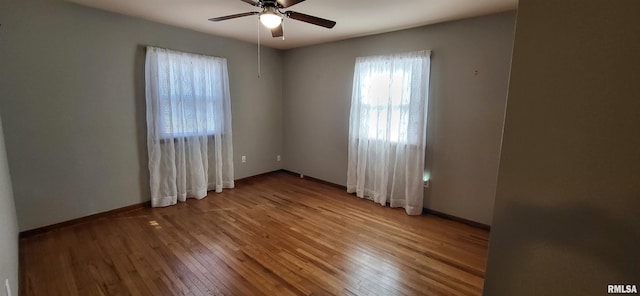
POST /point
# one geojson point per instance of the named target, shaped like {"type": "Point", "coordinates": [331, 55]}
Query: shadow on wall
{"type": "Point", "coordinates": [548, 245]}
{"type": "Point", "coordinates": [141, 121]}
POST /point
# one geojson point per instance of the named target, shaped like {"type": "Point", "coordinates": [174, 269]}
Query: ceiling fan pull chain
{"type": "Point", "coordinates": [259, 72]}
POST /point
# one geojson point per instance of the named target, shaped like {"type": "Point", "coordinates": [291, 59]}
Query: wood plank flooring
{"type": "Point", "coordinates": [274, 234]}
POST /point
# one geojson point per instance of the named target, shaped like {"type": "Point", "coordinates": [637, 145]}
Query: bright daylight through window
{"type": "Point", "coordinates": [386, 101]}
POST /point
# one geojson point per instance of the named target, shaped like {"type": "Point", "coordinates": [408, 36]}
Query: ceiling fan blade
{"type": "Point", "coordinates": [277, 31]}
{"type": "Point", "coordinates": [251, 2]}
{"type": "Point", "coordinates": [228, 17]}
{"type": "Point", "coordinates": [288, 3]}
{"type": "Point", "coordinates": [310, 19]}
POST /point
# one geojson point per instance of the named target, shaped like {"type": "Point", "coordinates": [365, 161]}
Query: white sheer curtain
{"type": "Point", "coordinates": [387, 129]}
{"type": "Point", "coordinates": [188, 125]}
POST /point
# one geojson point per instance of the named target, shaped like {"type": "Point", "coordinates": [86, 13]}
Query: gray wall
{"type": "Point", "coordinates": [567, 214]}
{"type": "Point", "coordinates": [466, 111]}
{"type": "Point", "coordinates": [72, 103]}
{"type": "Point", "coordinates": [8, 226]}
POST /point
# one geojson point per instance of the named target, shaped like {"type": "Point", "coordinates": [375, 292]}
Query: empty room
{"type": "Point", "coordinates": [319, 147]}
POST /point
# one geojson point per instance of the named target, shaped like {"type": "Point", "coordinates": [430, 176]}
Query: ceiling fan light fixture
{"type": "Point", "coordinates": [270, 18]}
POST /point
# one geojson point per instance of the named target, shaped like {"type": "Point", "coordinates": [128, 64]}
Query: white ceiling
{"type": "Point", "coordinates": [354, 17]}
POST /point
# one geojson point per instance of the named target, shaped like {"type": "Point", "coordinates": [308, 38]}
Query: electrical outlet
{"type": "Point", "coordinates": [8, 286]}
{"type": "Point", "coordinates": [244, 159]}
{"type": "Point", "coordinates": [278, 158]}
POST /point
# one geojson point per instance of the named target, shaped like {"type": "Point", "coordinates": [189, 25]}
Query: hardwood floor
{"type": "Point", "coordinates": [274, 234]}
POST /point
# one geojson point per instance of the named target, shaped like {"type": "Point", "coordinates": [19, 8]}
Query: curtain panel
{"type": "Point", "coordinates": [387, 129]}
{"type": "Point", "coordinates": [189, 136]}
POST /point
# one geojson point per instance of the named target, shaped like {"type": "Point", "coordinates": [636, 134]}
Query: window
{"type": "Point", "coordinates": [190, 92]}
{"type": "Point", "coordinates": [385, 99]}
{"type": "Point", "coordinates": [386, 90]}
{"type": "Point", "coordinates": [180, 103]}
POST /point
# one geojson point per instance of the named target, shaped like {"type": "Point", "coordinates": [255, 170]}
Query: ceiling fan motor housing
{"type": "Point", "coordinates": [270, 3]}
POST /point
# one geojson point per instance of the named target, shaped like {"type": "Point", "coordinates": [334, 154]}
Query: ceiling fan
{"type": "Point", "coordinates": [272, 14]}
